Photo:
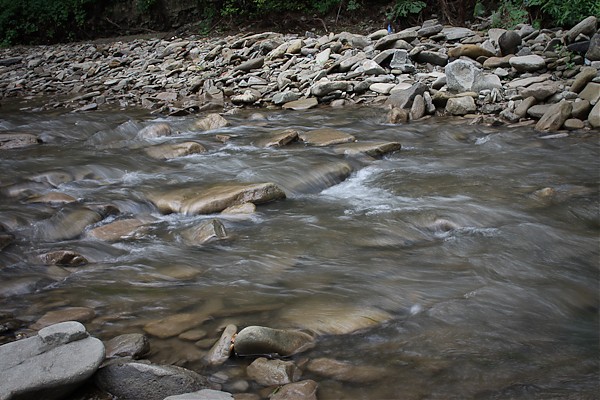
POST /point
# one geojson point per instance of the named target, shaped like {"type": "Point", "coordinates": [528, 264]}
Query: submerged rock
{"type": "Point", "coordinates": [173, 325]}
{"type": "Point", "coordinates": [168, 151]}
{"type": "Point", "coordinates": [256, 340]}
{"type": "Point", "coordinates": [155, 131]}
{"type": "Point", "coordinates": [80, 314]}
{"type": "Point", "coordinates": [303, 390]}
{"type": "Point", "coordinates": [273, 372]}
{"type": "Point", "coordinates": [373, 149]}
{"type": "Point", "coordinates": [221, 350]}
{"type": "Point", "coordinates": [51, 364]}
{"type": "Point", "coordinates": [346, 372]}
{"type": "Point", "coordinates": [68, 223]}
{"type": "Point", "coordinates": [134, 345]}
{"type": "Point", "coordinates": [215, 199]}
{"type": "Point", "coordinates": [133, 380]}
{"type": "Point", "coordinates": [66, 258]}
{"type": "Point", "coordinates": [116, 230]}
{"type": "Point", "coordinates": [17, 140]}
{"type": "Point", "coordinates": [204, 394]}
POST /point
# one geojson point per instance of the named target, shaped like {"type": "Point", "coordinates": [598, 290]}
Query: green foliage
{"type": "Point", "coordinates": [403, 8]}
{"type": "Point", "coordinates": [509, 14]}
{"type": "Point", "coordinates": [27, 21]}
{"type": "Point", "coordinates": [144, 6]}
{"type": "Point", "coordinates": [566, 13]}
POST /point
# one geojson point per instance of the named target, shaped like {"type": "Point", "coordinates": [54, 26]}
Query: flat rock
{"type": "Point", "coordinates": [497, 62]}
{"type": "Point", "coordinates": [323, 88]}
{"type": "Point", "coordinates": [169, 151]}
{"type": "Point", "coordinates": [320, 177]}
{"type": "Point", "coordinates": [281, 139]}
{"type": "Point", "coordinates": [527, 63]}
{"type": "Point", "coordinates": [371, 148]}
{"type": "Point", "coordinates": [405, 97]}
{"type": "Point", "coordinates": [470, 50]}
{"type": "Point", "coordinates": [80, 314]}
{"type": "Point", "coordinates": [116, 230]}
{"type": "Point", "coordinates": [555, 117]}
{"type": "Point", "coordinates": [456, 33]}
{"type": "Point", "coordinates": [51, 364]}
{"type": "Point", "coordinates": [325, 137]}
{"type": "Point", "coordinates": [302, 104]}
{"type": "Point", "coordinates": [205, 232]}
{"type": "Point", "coordinates": [221, 350]}
{"type": "Point", "coordinates": [541, 91]}
{"type": "Point", "coordinates": [303, 390]}
{"type": "Point", "coordinates": [257, 340]}
{"type": "Point", "coordinates": [346, 372]}
{"type": "Point", "coordinates": [134, 345]}
{"type": "Point", "coordinates": [591, 92]}
{"type": "Point", "coordinates": [207, 200]}
{"type": "Point", "coordinates": [132, 380]}
{"type": "Point", "coordinates": [17, 140]}
{"type": "Point", "coordinates": [249, 65]}
{"type": "Point", "coordinates": [173, 325]}
{"type": "Point", "coordinates": [382, 88]}
{"type": "Point", "coordinates": [273, 372]}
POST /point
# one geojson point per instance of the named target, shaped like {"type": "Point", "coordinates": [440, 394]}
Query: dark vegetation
{"type": "Point", "coordinates": [51, 21]}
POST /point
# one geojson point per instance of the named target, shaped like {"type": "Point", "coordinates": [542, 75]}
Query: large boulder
{"type": "Point", "coordinates": [404, 98]}
{"type": "Point", "coordinates": [214, 199]}
{"type": "Point", "coordinates": [509, 42]}
{"type": "Point", "coordinates": [587, 27]}
{"type": "Point", "coordinates": [49, 365]}
{"type": "Point", "coordinates": [257, 340]}
{"type": "Point", "coordinates": [460, 76]}
{"type": "Point", "coordinates": [460, 105]}
{"type": "Point", "coordinates": [134, 380]}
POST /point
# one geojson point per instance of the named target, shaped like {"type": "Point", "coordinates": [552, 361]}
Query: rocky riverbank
{"type": "Point", "coordinates": [544, 77]}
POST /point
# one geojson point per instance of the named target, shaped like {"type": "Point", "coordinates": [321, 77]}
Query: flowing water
{"type": "Point", "coordinates": [478, 285]}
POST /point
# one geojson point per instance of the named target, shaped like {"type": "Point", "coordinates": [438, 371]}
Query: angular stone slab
{"type": "Point", "coordinates": [281, 139]}
{"type": "Point", "coordinates": [49, 365]}
{"type": "Point", "coordinates": [303, 390]}
{"type": "Point", "coordinates": [255, 340]}
{"type": "Point", "coordinates": [205, 232]}
{"type": "Point", "coordinates": [555, 117]}
{"type": "Point", "coordinates": [136, 380]}
{"type": "Point", "coordinates": [169, 151]}
{"type": "Point", "coordinates": [116, 230]}
{"type": "Point", "coordinates": [302, 104]}
{"type": "Point", "coordinates": [325, 137]}
{"type": "Point", "coordinates": [273, 372]}
{"type": "Point", "coordinates": [134, 345]}
{"type": "Point", "coordinates": [221, 350]}
{"type": "Point", "coordinates": [373, 149]}
{"type": "Point", "coordinates": [214, 199]}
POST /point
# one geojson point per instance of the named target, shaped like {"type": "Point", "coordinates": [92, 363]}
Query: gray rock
{"type": "Point", "coordinates": [204, 394]}
{"type": "Point", "coordinates": [205, 232]}
{"type": "Point", "coordinates": [303, 390]}
{"type": "Point", "coordinates": [582, 78]}
{"type": "Point", "coordinates": [155, 130]}
{"type": "Point", "coordinates": [51, 364]}
{"type": "Point", "coordinates": [527, 63]}
{"type": "Point", "coordinates": [211, 122]}
{"type": "Point", "coordinates": [396, 41]}
{"type": "Point", "coordinates": [383, 56]}
{"type": "Point", "coordinates": [509, 43]}
{"type": "Point", "coordinates": [591, 92]}
{"type": "Point", "coordinates": [174, 325]}
{"type": "Point", "coordinates": [417, 109]}
{"type": "Point", "coordinates": [302, 104]}
{"type": "Point", "coordinates": [221, 350]}
{"type": "Point", "coordinates": [285, 97]}
{"type": "Point", "coordinates": [555, 117]}
{"type": "Point", "coordinates": [273, 372]}
{"type": "Point", "coordinates": [323, 88]}
{"type": "Point", "coordinates": [541, 91]}
{"type": "Point", "coordinates": [134, 345]}
{"type": "Point", "coordinates": [460, 105]}
{"type": "Point", "coordinates": [521, 109]}
{"type": "Point", "coordinates": [460, 76]}
{"type": "Point", "coordinates": [430, 29]}
{"type": "Point", "coordinates": [497, 62]}
{"type": "Point", "coordinates": [325, 137]}
{"type": "Point", "coordinates": [486, 82]}
{"type": "Point", "coordinates": [405, 98]}
{"type": "Point", "coordinates": [256, 340]}
{"type": "Point", "coordinates": [593, 52]}
{"type": "Point", "coordinates": [346, 64]}
{"type": "Point", "coordinates": [370, 67]}
{"type": "Point", "coordinates": [116, 230]}
{"type": "Point", "coordinates": [456, 33]}
{"type": "Point", "coordinates": [581, 109]}
{"type": "Point", "coordinates": [401, 61]}
{"type": "Point", "coordinates": [169, 151]}
{"type": "Point", "coordinates": [370, 148]}
{"type": "Point", "coordinates": [573, 124]}
{"type": "Point", "coordinates": [249, 65]}
{"type": "Point", "coordinates": [132, 380]}
{"type": "Point", "coordinates": [248, 97]}
{"type": "Point", "coordinates": [68, 223]}
{"type": "Point", "coordinates": [207, 200]}
{"type": "Point", "coordinates": [17, 140]}
{"type": "Point", "coordinates": [594, 117]}
{"type": "Point", "coordinates": [382, 88]}
{"type": "Point", "coordinates": [537, 111]}
{"type": "Point", "coordinates": [281, 139]}
{"type": "Point", "coordinates": [432, 57]}
{"type": "Point", "coordinates": [587, 27]}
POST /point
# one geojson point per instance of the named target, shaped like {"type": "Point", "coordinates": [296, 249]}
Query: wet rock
{"type": "Point", "coordinates": [509, 42]}
{"type": "Point", "coordinates": [67, 258]}
{"type": "Point", "coordinates": [257, 340]}
{"type": "Point", "coordinates": [204, 394]}
{"type": "Point", "coordinates": [132, 380]}
{"type": "Point", "coordinates": [281, 139]}
{"type": "Point", "coordinates": [211, 122]}
{"type": "Point", "coordinates": [555, 117]}
{"type": "Point", "coordinates": [594, 118]}
{"type": "Point", "coordinates": [527, 63]}
{"type": "Point", "coordinates": [221, 350]}
{"type": "Point", "coordinates": [325, 137]}
{"type": "Point", "coordinates": [371, 148]}
{"type": "Point", "coordinates": [134, 345]}
{"type": "Point", "coordinates": [397, 115]}
{"type": "Point", "coordinates": [273, 372]}
{"type": "Point", "coordinates": [169, 151]}
{"type": "Point", "coordinates": [17, 140]}
{"type": "Point", "coordinates": [173, 325]}
{"type": "Point", "coordinates": [116, 230]}
{"type": "Point", "coordinates": [582, 78]}
{"type": "Point", "coordinates": [52, 198]}
{"type": "Point", "coordinates": [581, 109]}
{"type": "Point", "coordinates": [205, 232]}
{"type": "Point", "coordinates": [6, 237]}
{"type": "Point", "coordinates": [346, 372]}
{"type": "Point", "coordinates": [246, 208]}
{"type": "Point", "coordinates": [303, 390]}
{"type": "Point", "coordinates": [51, 364]}
{"type": "Point", "coordinates": [470, 50]}
{"type": "Point", "coordinates": [460, 105]}
{"type": "Point", "coordinates": [155, 131]}
{"type": "Point", "coordinates": [460, 76]}
{"type": "Point", "coordinates": [216, 198]}
{"type": "Point", "coordinates": [79, 314]}
{"type": "Point", "coordinates": [332, 318]}
{"type": "Point", "coordinates": [303, 104]}
{"type": "Point", "coordinates": [317, 178]}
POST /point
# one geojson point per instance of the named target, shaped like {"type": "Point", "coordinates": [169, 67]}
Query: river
{"type": "Point", "coordinates": [477, 248]}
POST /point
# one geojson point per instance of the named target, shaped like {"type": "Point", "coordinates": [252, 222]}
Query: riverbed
{"type": "Point", "coordinates": [474, 249]}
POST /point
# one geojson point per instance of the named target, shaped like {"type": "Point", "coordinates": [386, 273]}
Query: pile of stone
{"type": "Point", "coordinates": [63, 357]}
{"type": "Point", "coordinates": [498, 76]}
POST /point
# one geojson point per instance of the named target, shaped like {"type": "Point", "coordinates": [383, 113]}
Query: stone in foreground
{"type": "Point", "coordinates": [254, 340]}
{"type": "Point", "coordinates": [204, 394]}
{"type": "Point", "coordinates": [131, 380]}
{"type": "Point", "coordinates": [49, 365]}
{"type": "Point", "coordinates": [215, 199]}
{"type": "Point", "coordinates": [273, 372]}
